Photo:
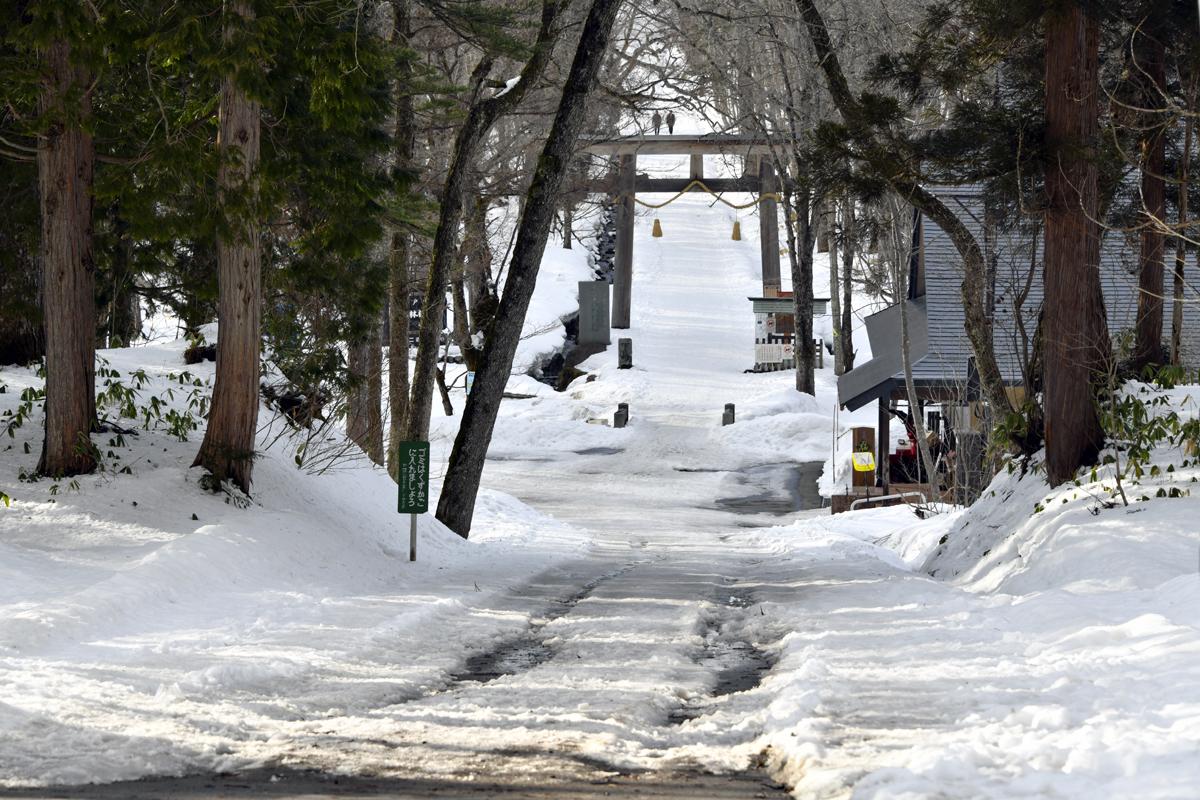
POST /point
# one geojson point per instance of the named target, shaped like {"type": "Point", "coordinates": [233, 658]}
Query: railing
{"type": "Point", "coordinates": [900, 496]}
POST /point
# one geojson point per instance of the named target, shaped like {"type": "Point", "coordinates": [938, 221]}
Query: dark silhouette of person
{"type": "Point", "coordinates": [656, 122]}
{"type": "Point", "coordinates": [670, 122]}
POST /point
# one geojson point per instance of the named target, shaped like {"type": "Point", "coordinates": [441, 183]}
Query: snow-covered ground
{"type": "Point", "coordinates": [616, 607]}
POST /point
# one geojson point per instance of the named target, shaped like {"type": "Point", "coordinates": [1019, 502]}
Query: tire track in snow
{"type": "Point", "coordinates": [530, 648]}
{"type": "Point", "coordinates": [740, 664]}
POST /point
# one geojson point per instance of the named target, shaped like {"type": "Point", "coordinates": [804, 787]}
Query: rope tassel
{"type": "Point", "coordinates": [657, 230]}
{"type": "Point", "coordinates": [737, 231]}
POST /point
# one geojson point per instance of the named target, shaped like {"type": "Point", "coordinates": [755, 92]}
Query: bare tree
{"type": "Point", "coordinates": [1150, 60]}
{"type": "Point", "coordinates": [885, 153]}
{"type": "Point", "coordinates": [897, 254]}
{"type": "Point", "coordinates": [456, 506]}
{"type": "Point", "coordinates": [481, 117]}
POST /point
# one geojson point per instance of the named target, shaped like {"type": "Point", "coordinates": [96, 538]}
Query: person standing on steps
{"type": "Point", "coordinates": [656, 122]}
{"type": "Point", "coordinates": [670, 122]}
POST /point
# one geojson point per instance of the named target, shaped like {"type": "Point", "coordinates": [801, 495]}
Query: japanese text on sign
{"type": "Point", "coordinates": [414, 477]}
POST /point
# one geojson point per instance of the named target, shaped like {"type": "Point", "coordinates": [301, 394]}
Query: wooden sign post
{"type": "Point", "coordinates": [414, 487]}
{"type": "Point", "coordinates": [863, 444]}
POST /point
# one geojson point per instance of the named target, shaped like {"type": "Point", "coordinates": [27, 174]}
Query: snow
{"type": "Point", "coordinates": [150, 628]}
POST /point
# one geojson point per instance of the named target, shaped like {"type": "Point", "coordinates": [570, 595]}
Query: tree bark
{"type": "Point", "coordinates": [1075, 345]}
{"type": "Point", "coordinates": [462, 319]}
{"type": "Point", "coordinates": [835, 307]}
{"type": "Point", "coordinates": [364, 418]}
{"type": "Point", "coordinates": [888, 160]}
{"type": "Point", "coordinates": [399, 282]}
{"type": "Point", "coordinates": [227, 452]}
{"type": "Point", "coordinates": [1151, 62]}
{"type": "Point", "coordinates": [807, 211]}
{"type": "Point", "coordinates": [900, 245]}
{"type": "Point", "coordinates": [480, 119]}
{"type": "Point", "coordinates": [122, 323]}
{"type": "Point", "coordinates": [849, 246]}
{"type": "Point", "coordinates": [1181, 242]}
{"type": "Point", "coordinates": [66, 166]}
{"type": "Point", "coordinates": [482, 300]}
{"type": "Point", "coordinates": [456, 506]}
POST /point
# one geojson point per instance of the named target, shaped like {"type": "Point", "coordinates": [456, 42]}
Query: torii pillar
{"type": "Point", "coordinates": [768, 228]}
{"type": "Point", "coordinates": [623, 260]}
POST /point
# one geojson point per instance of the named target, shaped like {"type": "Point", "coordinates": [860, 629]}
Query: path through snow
{"type": "Point", "coordinates": [671, 646]}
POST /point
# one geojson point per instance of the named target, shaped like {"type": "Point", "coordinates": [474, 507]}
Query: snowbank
{"type": "Point", "coordinates": [134, 600]}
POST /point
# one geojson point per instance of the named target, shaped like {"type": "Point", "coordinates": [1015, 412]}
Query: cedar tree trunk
{"type": "Point", "coordinates": [1073, 352]}
{"type": "Point", "coordinates": [227, 452]}
{"type": "Point", "coordinates": [66, 164]}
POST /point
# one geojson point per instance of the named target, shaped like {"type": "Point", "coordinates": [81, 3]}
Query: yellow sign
{"type": "Point", "coordinates": [864, 461]}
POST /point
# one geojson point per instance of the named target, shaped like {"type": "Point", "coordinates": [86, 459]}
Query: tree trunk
{"type": "Point", "coordinates": [482, 300]}
{"type": "Point", "coordinates": [834, 282]}
{"type": "Point", "coordinates": [22, 332]}
{"type": "Point", "coordinates": [445, 250]}
{"type": "Point", "coordinates": [900, 236]}
{"type": "Point", "coordinates": [456, 506]}
{"type": "Point", "coordinates": [1148, 347]}
{"type": "Point", "coordinates": [227, 452]}
{"type": "Point", "coordinates": [884, 160]}
{"type": "Point", "coordinates": [1073, 351]}
{"type": "Point", "coordinates": [849, 246]}
{"type": "Point", "coordinates": [462, 319]}
{"type": "Point", "coordinates": [122, 319]}
{"type": "Point", "coordinates": [480, 119]}
{"type": "Point", "coordinates": [1180, 240]}
{"type": "Point", "coordinates": [835, 307]}
{"type": "Point", "coordinates": [807, 212]}
{"type": "Point", "coordinates": [66, 164]}
{"type": "Point", "coordinates": [398, 347]}
{"type": "Point", "coordinates": [398, 251]}
{"type": "Point", "coordinates": [364, 420]}
{"type": "Point", "coordinates": [973, 291]}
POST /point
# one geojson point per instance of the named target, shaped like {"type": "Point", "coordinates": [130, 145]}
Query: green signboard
{"type": "Point", "coordinates": [414, 477]}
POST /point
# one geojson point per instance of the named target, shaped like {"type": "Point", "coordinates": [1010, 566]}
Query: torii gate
{"type": "Point", "coordinates": [758, 177]}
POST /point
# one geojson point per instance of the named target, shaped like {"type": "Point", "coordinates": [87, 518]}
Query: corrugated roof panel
{"type": "Point", "coordinates": [1018, 276]}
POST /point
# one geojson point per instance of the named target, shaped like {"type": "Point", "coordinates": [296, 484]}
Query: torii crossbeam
{"type": "Point", "coordinates": [758, 177]}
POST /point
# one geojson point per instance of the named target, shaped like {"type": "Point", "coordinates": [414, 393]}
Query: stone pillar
{"type": "Point", "coordinates": [768, 228]}
{"type": "Point", "coordinates": [623, 264]}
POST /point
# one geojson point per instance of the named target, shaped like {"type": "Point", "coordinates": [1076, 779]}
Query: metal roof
{"type": "Point", "coordinates": [1018, 260]}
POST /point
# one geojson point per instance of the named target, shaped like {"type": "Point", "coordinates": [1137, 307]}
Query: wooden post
{"type": "Point", "coordinates": [623, 262]}
{"type": "Point", "coordinates": [621, 418]}
{"type": "Point", "coordinates": [728, 417]}
{"type": "Point", "coordinates": [696, 172]}
{"type": "Point", "coordinates": [768, 228]}
{"type": "Point", "coordinates": [624, 353]}
{"type": "Point", "coordinates": [860, 439]}
{"type": "Point", "coordinates": [412, 537]}
{"type": "Point", "coordinates": [884, 444]}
